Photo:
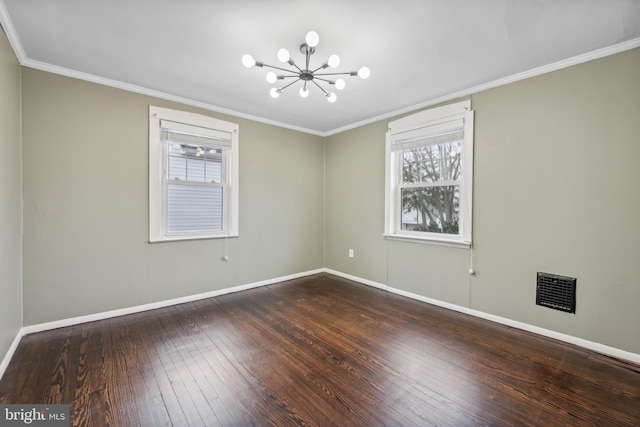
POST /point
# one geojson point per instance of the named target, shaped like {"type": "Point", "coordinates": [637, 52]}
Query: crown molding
{"type": "Point", "coordinates": [42, 66]}
{"type": "Point", "coordinates": [565, 63]}
{"type": "Point", "coordinates": [12, 35]}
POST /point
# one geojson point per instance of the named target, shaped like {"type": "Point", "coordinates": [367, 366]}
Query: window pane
{"type": "Point", "coordinates": [196, 163]}
{"type": "Point", "coordinates": [177, 162]}
{"type": "Point", "coordinates": [433, 163]}
{"type": "Point", "coordinates": [431, 209]}
{"type": "Point", "coordinates": [193, 208]}
{"type": "Point", "coordinates": [213, 166]}
{"type": "Point", "coordinates": [195, 169]}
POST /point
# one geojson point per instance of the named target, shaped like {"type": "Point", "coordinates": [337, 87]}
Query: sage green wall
{"type": "Point", "coordinates": [354, 202]}
{"type": "Point", "coordinates": [86, 205]}
{"type": "Point", "coordinates": [556, 189]}
{"type": "Point", "coordinates": [10, 197]}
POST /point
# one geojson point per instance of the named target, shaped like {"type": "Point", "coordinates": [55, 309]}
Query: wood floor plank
{"type": "Point", "coordinates": [89, 379]}
{"type": "Point", "coordinates": [319, 350]}
{"type": "Point", "coordinates": [120, 400]}
{"type": "Point", "coordinates": [140, 362]}
{"type": "Point", "coordinates": [204, 397]}
{"type": "Point", "coordinates": [154, 336]}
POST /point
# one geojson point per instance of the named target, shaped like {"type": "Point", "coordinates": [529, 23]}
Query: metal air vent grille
{"type": "Point", "coordinates": [556, 292]}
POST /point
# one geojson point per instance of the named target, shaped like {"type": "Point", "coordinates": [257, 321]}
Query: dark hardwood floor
{"type": "Point", "coordinates": [317, 351]}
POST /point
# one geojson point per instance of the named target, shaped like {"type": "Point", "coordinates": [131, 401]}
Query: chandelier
{"type": "Point", "coordinates": [307, 75]}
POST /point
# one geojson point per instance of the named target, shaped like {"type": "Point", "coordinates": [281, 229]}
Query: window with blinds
{"type": "Point", "coordinates": [195, 178]}
{"type": "Point", "coordinates": [429, 173]}
{"type": "Point", "coordinates": [196, 171]}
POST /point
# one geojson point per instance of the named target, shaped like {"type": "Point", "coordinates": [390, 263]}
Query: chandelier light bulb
{"type": "Point", "coordinates": [334, 61]}
{"type": "Point", "coordinates": [304, 92]}
{"type": "Point", "coordinates": [364, 72]}
{"type": "Point", "coordinates": [312, 39]}
{"type": "Point", "coordinates": [283, 55]}
{"type": "Point", "coordinates": [248, 61]}
{"type": "Point", "coordinates": [332, 97]}
{"type": "Point", "coordinates": [340, 84]}
{"type": "Point", "coordinates": [271, 77]}
{"type": "Point", "coordinates": [274, 92]}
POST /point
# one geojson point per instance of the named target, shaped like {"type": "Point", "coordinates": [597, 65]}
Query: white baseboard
{"type": "Point", "coordinates": [10, 352]}
{"type": "Point", "coordinates": [589, 345]}
{"type": "Point", "coordinates": [154, 305]}
{"type": "Point", "coordinates": [357, 279]}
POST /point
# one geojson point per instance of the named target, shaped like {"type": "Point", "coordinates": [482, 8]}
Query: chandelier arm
{"type": "Point", "coordinates": [349, 73]}
{"type": "Point", "coordinates": [322, 67]}
{"type": "Point", "coordinates": [320, 87]}
{"type": "Point", "coordinates": [293, 82]}
{"type": "Point", "coordinates": [293, 63]}
{"type": "Point", "coordinates": [331, 82]}
{"type": "Point", "coordinates": [281, 69]}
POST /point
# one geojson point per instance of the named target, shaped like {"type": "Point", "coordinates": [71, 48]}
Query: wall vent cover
{"type": "Point", "coordinates": [557, 292]}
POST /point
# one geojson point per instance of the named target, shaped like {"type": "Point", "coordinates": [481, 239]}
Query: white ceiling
{"type": "Point", "coordinates": [419, 51]}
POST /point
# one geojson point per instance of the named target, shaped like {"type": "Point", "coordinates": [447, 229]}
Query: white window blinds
{"type": "Point", "coordinates": [188, 134]}
{"type": "Point", "coordinates": [442, 133]}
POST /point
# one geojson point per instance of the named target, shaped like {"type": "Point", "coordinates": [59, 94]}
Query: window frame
{"type": "Point", "coordinates": [158, 182]}
{"type": "Point", "coordinates": [420, 124]}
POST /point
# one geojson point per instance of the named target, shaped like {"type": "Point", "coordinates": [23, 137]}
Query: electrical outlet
{"type": "Point", "coordinates": [350, 253]}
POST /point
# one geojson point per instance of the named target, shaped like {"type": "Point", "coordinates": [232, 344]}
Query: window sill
{"type": "Point", "coordinates": [428, 241]}
{"type": "Point", "coordinates": [187, 238]}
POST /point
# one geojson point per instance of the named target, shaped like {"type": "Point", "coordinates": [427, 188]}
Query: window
{"type": "Point", "coordinates": [193, 176]}
{"type": "Point", "coordinates": [429, 171]}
